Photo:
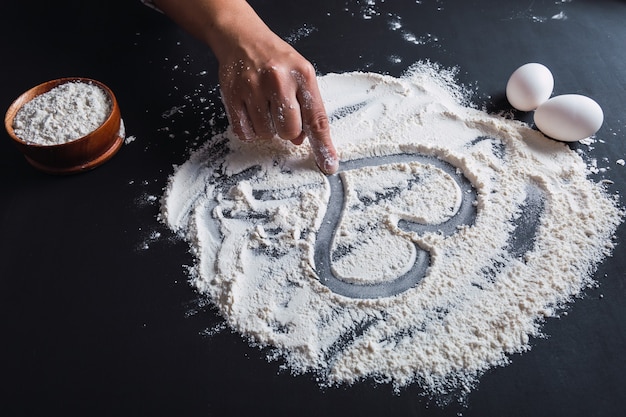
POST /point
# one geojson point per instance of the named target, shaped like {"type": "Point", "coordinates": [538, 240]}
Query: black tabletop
{"type": "Point", "coordinates": [97, 315]}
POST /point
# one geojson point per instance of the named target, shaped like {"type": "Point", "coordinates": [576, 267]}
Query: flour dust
{"type": "Point", "coordinates": [436, 253]}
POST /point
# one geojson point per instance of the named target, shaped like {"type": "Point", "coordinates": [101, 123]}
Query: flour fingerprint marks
{"type": "Point", "coordinates": [349, 337]}
{"type": "Point", "coordinates": [346, 111]}
{"type": "Point", "coordinates": [522, 239]}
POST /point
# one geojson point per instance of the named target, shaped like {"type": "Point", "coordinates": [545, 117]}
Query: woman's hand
{"type": "Point", "coordinates": [268, 88]}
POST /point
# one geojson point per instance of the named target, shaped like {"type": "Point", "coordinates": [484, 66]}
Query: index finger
{"type": "Point", "coordinates": [316, 125]}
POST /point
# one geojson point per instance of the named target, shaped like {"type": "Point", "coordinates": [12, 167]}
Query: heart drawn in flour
{"type": "Point", "coordinates": [361, 258]}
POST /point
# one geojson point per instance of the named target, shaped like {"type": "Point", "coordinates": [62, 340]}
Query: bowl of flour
{"type": "Point", "coordinates": [67, 125]}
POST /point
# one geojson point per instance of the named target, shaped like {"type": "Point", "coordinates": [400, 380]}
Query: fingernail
{"type": "Point", "coordinates": [331, 165]}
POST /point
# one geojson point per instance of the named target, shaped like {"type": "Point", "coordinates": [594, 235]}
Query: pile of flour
{"type": "Point", "coordinates": [455, 235]}
{"type": "Point", "coordinates": [63, 114]}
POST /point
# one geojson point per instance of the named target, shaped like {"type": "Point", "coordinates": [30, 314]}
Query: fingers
{"type": "Point", "coordinates": [261, 104]}
{"type": "Point", "coordinates": [265, 106]}
{"type": "Point", "coordinates": [317, 130]}
{"type": "Point", "coordinates": [287, 118]}
{"type": "Point", "coordinates": [239, 120]}
{"type": "Point", "coordinates": [316, 124]}
{"type": "Point", "coordinates": [280, 101]}
{"type": "Point", "coordinates": [279, 89]}
{"type": "Point", "coordinates": [258, 111]}
{"type": "Point", "coordinates": [249, 118]}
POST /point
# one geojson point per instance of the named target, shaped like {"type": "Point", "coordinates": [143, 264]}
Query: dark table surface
{"type": "Point", "coordinates": [97, 316]}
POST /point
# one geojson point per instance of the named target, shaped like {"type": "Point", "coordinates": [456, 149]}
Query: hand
{"type": "Point", "coordinates": [270, 89]}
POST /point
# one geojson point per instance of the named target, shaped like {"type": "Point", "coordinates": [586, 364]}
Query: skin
{"type": "Point", "coordinates": [268, 88]}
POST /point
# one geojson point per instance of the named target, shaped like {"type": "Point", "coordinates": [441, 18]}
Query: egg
{"type": "Point", "coordinates": [529, 86]}
{"type": "Point", "coordinates": [569, 117]}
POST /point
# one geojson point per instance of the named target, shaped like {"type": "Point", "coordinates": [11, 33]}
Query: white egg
{"type": "Point", "coordinates": [569, 117]}
{"type": "Point", "coordinates": [529, 86]}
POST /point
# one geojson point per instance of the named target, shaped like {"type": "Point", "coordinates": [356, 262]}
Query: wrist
{"type": "Point", "coordinates": [224, 25]}
{"type": "Point", "coordinates": [231, 28]}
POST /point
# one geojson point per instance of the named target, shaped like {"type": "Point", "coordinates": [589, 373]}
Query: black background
{"type": "Point", "coordinates": [97, 316]}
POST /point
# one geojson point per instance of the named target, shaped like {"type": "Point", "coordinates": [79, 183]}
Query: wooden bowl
{"type": "Point", "coordinates": [82, 154]}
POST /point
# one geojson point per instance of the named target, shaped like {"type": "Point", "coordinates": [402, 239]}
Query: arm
{"type": "Point", "coordinates": [268, 88]}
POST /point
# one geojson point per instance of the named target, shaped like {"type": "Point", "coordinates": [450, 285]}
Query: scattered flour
{"type": "Point", "coordinates": [529, 12]}
{"type": "Point", "coordinates": [489, 260]}
{"type": "Point", "coordinates": [63, 114]}
{"type": "Point", "coordinates": [299, 33]}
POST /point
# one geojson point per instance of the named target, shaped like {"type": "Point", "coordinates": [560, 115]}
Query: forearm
{"type": "Point", "coordinates": [222, 24]}
{"type": "Point", "coordinates": [268, 88]}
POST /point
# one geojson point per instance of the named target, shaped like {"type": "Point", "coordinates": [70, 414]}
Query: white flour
{"type": "Point", "coordinates": [63, 114]}
{"type": "Point", "coordinates": [427, 279]}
